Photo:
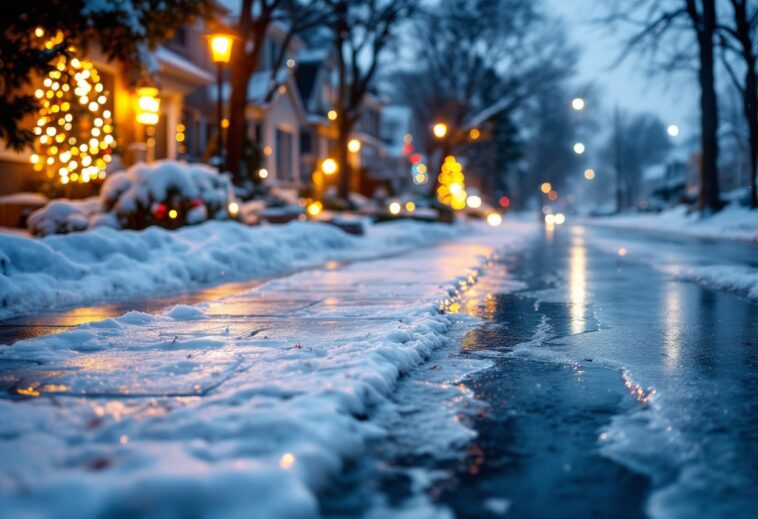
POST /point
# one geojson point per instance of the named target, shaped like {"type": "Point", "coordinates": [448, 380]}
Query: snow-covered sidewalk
{"type": "Point", "coordinates": [238, 407]}
{"type": "Point", "coordinates": [733, 222]}
{"type": "Point", "coordinates": [105, 264]}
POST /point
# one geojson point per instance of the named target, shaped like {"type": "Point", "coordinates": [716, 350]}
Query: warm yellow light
{"type": "Point", "coordinates": [589, 174]}
{"type": "Point", "coordinates": [440, 130]}
{"type": "Point", "coordinates": [39, 32]}
{"type": "Point", "coordinates": [234, 208]}
{"type": "Point", "coordinates": [287, 461]}
{"type": "Point", "coordinates": [354, 145]}
{"type": "Point", "coordinates": [546, 187]}
{"type": "Point", "coordinates": [494, 219]}
{"type": "Point", "coordinates": [578, 104]}
{"type": "Point", "coordinates": [410, 206]}
{"type": "Point", "coordinates": [221, 47]}
{"type": "Point", "coordinates": [263, 173]}
{"type": "Point", "coordinates": [332, 115]}
{"type": "Point", "coordinates": [621, 251]}
{"type": "Point", "coordinates": [173, 214]}
{"type": "Point", "coordinates": [329, 166]}
{"type": "Point", "coordinates": [148, 105]}
{"type": "Point", "coordinates": [474, 134]}
{"type": "Point", "coordinates": [474, 202]}
{"type": "Point", "coordinates": [455, 188]}
{"type": "Point", "coordinates": [550, 219]}
{"type": "Point", "coordinates": [394, 208]}
{"type": "Point", "coordinates": [315, 208]}
{"type": "Point", "coordinates": [225, 123]}
{"type": "Point", "coordinates": [421, 168]}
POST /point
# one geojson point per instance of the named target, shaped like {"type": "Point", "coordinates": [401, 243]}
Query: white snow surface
{"type": "Point", "coordinates": [244, 406]}
{"type": "Point", "coordinates": [105, 264]}
{"type": "Point", "coordinates": [733, 222]}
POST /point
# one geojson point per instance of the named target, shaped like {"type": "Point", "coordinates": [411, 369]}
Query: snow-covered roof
{"type": "Point", "coordinates": [172, 62]}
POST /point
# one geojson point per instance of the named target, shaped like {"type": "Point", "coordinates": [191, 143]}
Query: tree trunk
{"type": "Point", "coordinates": [709, 180]}
{"type": "Point", "coordinates": [750, 99]}
{"type": "Point", "coordinates": [236, 132]}
{"type": "Point", "coordinates": [344, 127]}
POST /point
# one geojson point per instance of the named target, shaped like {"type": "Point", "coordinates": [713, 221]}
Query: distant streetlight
{"type": "Point", "coordinates": [579, 148]}
{"type": "Point", "coordinates": [354, 145]}
{"type": "Point", "coordinates": [474, 134]}
{"type": "Point", "coordinates": [221, 53]}
{"type": "Point", "coordinates": [673, 130]}
{"type": "Point", "coordinates": [578, 104]}
{"type": "Point", "coordinates": [331, 115]}
{"type": "Point", "coordinates": [546, 187]}
{"type": "Point", "coordinates": [589, 174]}
{"type": "Point", "coordinates": [440, 130]}
{"type": "Point", "coordinates": [329, 166]}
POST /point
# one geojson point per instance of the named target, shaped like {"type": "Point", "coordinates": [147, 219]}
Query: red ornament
{"type": "Point", "coordinates": [415, 158]}
{"type": "Point", "coordinates": [505, 201]}
{"type": "Point", "coordinates": [160, 210]}
{"type": "Point", "coordinates": [407, 149]}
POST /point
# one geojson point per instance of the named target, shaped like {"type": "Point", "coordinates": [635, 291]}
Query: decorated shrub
{"type": "Point", "coordinates": [167, 193]}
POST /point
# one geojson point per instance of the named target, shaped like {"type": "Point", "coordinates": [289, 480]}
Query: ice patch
{"type": "Point", "coordinates": [186, 313]}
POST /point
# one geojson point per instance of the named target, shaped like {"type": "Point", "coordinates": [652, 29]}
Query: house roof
{"type": "Point", "coordinates": [173, 64]}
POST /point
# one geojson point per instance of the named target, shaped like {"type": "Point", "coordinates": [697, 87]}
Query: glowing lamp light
{"type": "Point", "coordinates": [546, 187]}
{"type": "Point", "coordinates": [148, 105]}
{"type": "Point", "coordinates": [329, 166]}
{"type": "Point", "coordinates": [560, 218]}
{"type": "Point", "coordinates": [315, 208]}
{"type": "Point", "coordinates": [440, 130]}
{"type": "Point", "coordinates": [234, 208]}
{"type": "Point", "coordinates": [394, 208]}
{"type": "Point", "coordinates": [474, 134]}
{"type": "Point", "coordinates": [578, 104]}
{"type": "Point", "coordinates": [589, 174]}
{"type": "Point", "coordinates": [287, 461]}
{"type": "Point", "coordinates": [550, 219]}
{"type": "Point", "coordinates": [410, 206]}
{"type": "Point", "coordinates": [354, 145]}
{"type": "Point", "coordinates": [263, 173]}
{"type": "Point", "coordinates": [579, 148]}
{"type": "Point", "coordinates": [331, 115]}
{"type": "Point", "coordinates": [474, 202]}
{"type": "Point", "coordinates": [504, 201]}
{"type": "Point", "coordinates": [672, 130]}
{"type": "Point", "coordinates": [221, 47]}
{"type": "Point", "coordinates": [173, 214]}
{"type": "Point", "coordinates": [494, 219]}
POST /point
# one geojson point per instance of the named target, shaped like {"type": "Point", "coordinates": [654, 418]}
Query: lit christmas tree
{"type": "Point", "coordinates": [74, 128]}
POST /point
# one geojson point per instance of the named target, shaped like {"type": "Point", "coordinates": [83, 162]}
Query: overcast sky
{"type": "Point", "coordinates": [674, 99]}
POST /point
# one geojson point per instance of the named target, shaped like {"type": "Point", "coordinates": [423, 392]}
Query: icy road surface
{"type": "Point", "coordinates": [243, 406]}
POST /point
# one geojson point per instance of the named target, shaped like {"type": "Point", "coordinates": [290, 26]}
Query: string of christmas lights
{"type": "Point", "coordinates": [74, 129]}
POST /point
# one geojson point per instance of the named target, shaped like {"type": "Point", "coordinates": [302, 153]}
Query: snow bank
{"type": "Point", "coordinates": [735, 278]}
{"type": "Point", "coordinates": [105, 264]}
{"type": "Point", "coordinates": [733, 222]}
{"type": "Point", "coordinates": [233, 415]}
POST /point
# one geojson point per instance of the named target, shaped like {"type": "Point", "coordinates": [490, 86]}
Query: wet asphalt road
{"type": "Point", "coordinates": [616, 390]}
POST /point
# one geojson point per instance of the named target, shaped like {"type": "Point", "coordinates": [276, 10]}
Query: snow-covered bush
{"type": "Point", "coordinates": [166, 193]}
{"type": "Point", "coordinates": [64, 216]}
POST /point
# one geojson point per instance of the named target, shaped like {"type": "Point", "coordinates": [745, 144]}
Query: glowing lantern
{"type": "Point", "coordinates": [329, 166]}
{"type": "Point", "coordinates": [440, 130]}
{"type": "Point", "coordinates": [148, 106]}
{"type": "Point", "coordinates": [221, 47]}
{"type": "Point", "coordinates": [354, 145]}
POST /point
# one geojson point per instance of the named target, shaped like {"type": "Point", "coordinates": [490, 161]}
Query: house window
{"type": "Point", "coordinates": [284, 169]}
{"type": "Point", "coordinates": [305, 142]}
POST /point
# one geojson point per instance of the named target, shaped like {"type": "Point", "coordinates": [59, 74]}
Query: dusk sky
{"type": "Point", "coordinates": [673, 98]}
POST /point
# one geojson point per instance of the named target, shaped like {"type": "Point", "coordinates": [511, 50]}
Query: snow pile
{"type": "Point", "coordinates": [735, 278]}
{"type": "Point", "coordinates": [106, 264]}
{"type": "Point", "coordinates": [196, 190]}
{"type": "Point", "coordinates": [732, 222]}
{"type": "Point", "coordinates": [250, 408]}
{"type": "Point", "coordinates": [66, 216]}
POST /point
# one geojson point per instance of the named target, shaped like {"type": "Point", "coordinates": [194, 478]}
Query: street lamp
{"type": "Point", "coordinates": [329, 166]}
{"type": "Point", "coordinates": [221, 53]}
{"type": "Point", "coordinates": [578, 104]}
{"type": "Point", "coordinates": [440, 130]}
{"type": "Point", "coordinates": [579, 148]}
{"type": "Point", "coordinates": [673, 130]}
{"type": "Point", "coordinates": [354, 145]}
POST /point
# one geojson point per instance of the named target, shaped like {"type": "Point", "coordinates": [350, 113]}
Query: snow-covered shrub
{"type": "Point", "coordinates": [166, 193]}
{"type": "Point", "coordinates": [63, 216]}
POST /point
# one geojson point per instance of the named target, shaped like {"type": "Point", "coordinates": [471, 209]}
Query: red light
{"type": "Point", "coordinates": [160, 210]}
{"type": "Point", "coordinates": [407, 149]}
{"type": "Point", "coordinates": [197, 202]}
{"type": "Point", "coordinates": [505, 201]}
{"type": "Point", "coordinates": [415, 158]}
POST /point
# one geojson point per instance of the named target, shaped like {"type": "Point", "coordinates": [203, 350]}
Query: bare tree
{"type": "Point", "coordinates": [474, 61]}
{"type": "Point", "coordinates": [739, 39]}
{"type": "Point", "coordinates": [251, 28]}
{"type": "Point", "coordinates": [659, 27]}
{"type": "Point", "coordinates": [361, 31]}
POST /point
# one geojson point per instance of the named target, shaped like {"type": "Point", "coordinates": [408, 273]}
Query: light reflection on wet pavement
{"type": "Point", "coordinates": [616, 390]}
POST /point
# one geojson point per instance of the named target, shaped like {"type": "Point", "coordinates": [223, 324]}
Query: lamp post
{"type": "Point", "coordinates": [221, 53]}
